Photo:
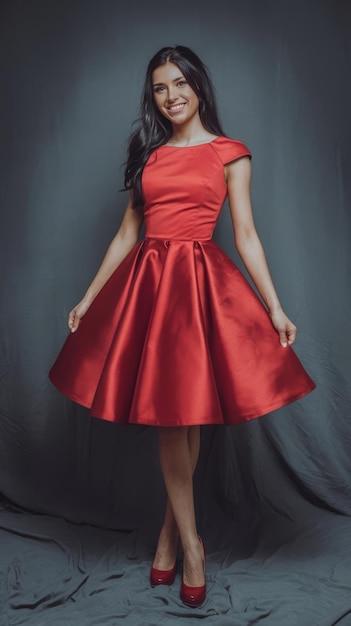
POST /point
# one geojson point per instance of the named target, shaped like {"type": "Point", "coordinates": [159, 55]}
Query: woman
{"type": "Point", "coordinates": [173, 335]}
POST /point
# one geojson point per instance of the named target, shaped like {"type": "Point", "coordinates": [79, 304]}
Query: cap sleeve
{"type": "Point", "coordinates": [229, 149]}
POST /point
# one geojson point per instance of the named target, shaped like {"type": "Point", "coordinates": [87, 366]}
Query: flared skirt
{"type": "Point", "coordinates": [178, 337]}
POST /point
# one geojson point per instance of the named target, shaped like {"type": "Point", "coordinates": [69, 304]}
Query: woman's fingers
{"type": "Point", "coordinates": [75, 324]}
{"type": "Point", "coordinates": [71, 317]}
{"type": "Point", "coordinates": [283, 338]}
{"type": "Point", "coordinates": [74, 319]}
{"type": "Point", "coordinates": [285, 328]}
{"type": "Point", "coordinates": [291, 334]}
{"type": "Point", "coordinates": [287, 335]}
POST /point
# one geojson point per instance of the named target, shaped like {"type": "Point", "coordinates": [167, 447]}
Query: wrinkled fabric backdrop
{"type": "Point", "coordinates": [82, 500]}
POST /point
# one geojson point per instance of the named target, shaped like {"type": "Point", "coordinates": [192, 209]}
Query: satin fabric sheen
{"type": "Point", "coordinates": [177, 336]}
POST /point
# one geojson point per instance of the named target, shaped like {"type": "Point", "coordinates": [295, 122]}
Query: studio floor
{"type": "Point", "coordinates": [54, 572]}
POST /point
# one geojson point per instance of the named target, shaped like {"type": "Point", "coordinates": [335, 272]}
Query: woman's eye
{"type": "Point", "coordinates": [182, 83]}
{"type": "Point", "coordinates": [158, 89]}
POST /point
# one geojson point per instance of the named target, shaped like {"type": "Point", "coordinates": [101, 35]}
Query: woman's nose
{"type": "Point", "coordinates": [172, 95]}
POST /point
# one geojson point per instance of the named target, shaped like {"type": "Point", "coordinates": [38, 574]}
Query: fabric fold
{"type": "Point", "coordinates": [178, 337]}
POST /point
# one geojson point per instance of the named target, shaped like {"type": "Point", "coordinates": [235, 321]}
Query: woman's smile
{"type": "Point", "coordinates": [177, 108]}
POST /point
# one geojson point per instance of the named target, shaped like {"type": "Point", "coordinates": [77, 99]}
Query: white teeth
{"type": "Point", "coordinates": [176, 107]}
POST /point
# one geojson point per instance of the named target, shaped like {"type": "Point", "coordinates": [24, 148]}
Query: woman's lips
{"type": "Point", "coordinates": [176, 108]}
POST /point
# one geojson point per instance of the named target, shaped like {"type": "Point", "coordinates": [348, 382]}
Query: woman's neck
{"type": "Point", "coordinates": [189, 134]}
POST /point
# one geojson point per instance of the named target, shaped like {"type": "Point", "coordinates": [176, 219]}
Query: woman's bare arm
{"type": "Point", "coordinates": [123, 242]}
{"type": "Point", "coordinates": [238, 175]}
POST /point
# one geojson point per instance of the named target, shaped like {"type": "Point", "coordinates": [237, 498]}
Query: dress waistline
{"type": "Point", "coordinates": [166, 242]}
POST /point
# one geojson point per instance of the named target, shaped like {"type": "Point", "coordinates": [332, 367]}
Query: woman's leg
{"type": "Point", "coordinates": [177, 464]}
{"type": "Point", "coordinates": [166, 552]}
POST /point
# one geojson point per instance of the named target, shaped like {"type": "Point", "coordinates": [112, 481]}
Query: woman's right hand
{"type": "Point", "coordinates": [76, 315]}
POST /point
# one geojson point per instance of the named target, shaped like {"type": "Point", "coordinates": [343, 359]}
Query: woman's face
{"type": "Point", "coordinates": [173, 95]}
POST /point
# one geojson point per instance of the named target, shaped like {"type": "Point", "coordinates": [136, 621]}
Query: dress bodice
{"type": "Point", "coordinates": [184, 188]}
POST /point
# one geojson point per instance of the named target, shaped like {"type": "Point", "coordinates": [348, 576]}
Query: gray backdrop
{"type": "Point", "coordinates": [82, 498]}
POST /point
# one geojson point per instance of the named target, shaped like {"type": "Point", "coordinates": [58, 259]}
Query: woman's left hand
{"type": "Point", "coordinates": [284, 327]}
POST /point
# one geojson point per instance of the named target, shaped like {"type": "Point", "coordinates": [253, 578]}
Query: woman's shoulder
{"type": "Point", "coordinates": [229, 149]}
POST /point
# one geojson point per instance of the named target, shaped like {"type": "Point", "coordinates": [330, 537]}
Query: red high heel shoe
{"type": "Point", "coordinates": [194, 596]}
{"type": "Point", "coordinates": [163, 576]}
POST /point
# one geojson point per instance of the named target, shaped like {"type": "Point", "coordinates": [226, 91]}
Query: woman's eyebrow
{"type": "Point", "coordinates": [173, 81]}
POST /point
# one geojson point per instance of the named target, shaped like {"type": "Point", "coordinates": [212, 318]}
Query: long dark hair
{"type": "Point", "coordinates": [153, 128]}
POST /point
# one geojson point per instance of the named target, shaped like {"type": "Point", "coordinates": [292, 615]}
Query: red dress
{"type": "Point", "coordinates": [177, 336]}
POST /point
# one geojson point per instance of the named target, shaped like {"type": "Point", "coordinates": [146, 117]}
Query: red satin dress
{"type": "Point", "coordinates": [177, 336]}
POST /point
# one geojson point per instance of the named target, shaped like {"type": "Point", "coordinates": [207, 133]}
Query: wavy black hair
{"type": "Point", "coordinates": [153, 128]}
